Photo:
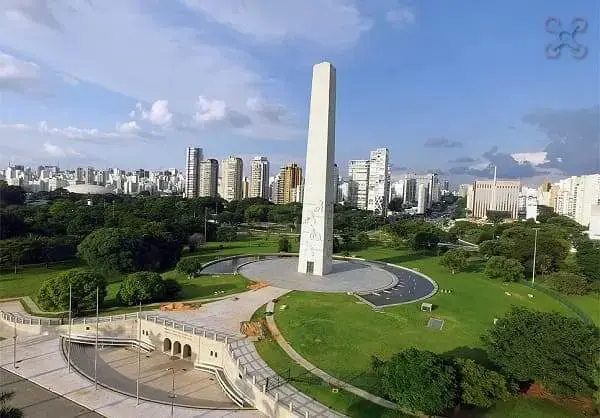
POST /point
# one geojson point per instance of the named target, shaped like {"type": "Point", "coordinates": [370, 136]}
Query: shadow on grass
{"type": "Point", "coordinates": [364, 408]}
{"type": "Point", "coordinates": [476, 354]}
{"type": "Point", "coordinates": [196, 290]}
{"type": "Point", "coordinates": [405, 258]}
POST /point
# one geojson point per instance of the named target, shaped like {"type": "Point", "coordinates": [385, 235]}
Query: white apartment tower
{"type": "Point", "coordinates": [259, 178]}
{"type": "Point", "coordinates": [358, 178]}
{"type": "Point", "coordinates": [379, 185]}
{"type": "Point", "coordinates": [208, 178]}
{"type": "Point", "coordinates": [421, 199]}
{"type": "Point", "coordinates": [495, 195]}
{"type": "Point", "coordinates": [576, 195]}
{"type": "Point", "coordinates": [232, 170]}
{"type": "Point", "coordinates": [192, 163]}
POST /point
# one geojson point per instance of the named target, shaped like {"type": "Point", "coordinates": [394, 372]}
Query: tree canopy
{"type": "Point", "coordinates": [558, 351]}
{"type": "Point", "coordinates": [54, 293]}
{"type": "Point", "coordinates": [505, 269]}
{"type": "Point", "coordinates": [145, 287]}
{"type": "Point", "coordinates": [455, 259]}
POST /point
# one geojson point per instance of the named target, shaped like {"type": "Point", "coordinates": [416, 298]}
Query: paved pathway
{"type": "Point", "coordinates": [35, 401]}
{"type": "Point", "coordinates": [320, 373]}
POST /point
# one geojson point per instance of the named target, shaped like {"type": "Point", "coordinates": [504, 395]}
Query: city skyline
{"type": "Point", "coordinates": [507, 105]}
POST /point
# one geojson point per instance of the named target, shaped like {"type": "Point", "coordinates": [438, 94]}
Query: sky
{"type": "Point", "coordinates": [453, 86]}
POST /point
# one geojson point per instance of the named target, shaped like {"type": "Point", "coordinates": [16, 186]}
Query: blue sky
{"type": "Point", "coordinates": [455, 86]}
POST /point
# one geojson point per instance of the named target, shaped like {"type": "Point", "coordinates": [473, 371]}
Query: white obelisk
{"type": "Point", "coordinates": [316, 242]}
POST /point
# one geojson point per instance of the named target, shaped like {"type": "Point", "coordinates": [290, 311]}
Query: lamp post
{"type": "Point", "coordinates": [534, 254]}
{"type": "Point", "coordinates": [172, 395]}
{"type": "Point", "coordinates": [139, 357]}
{"type": "Point", "coordinates": [70, 322]}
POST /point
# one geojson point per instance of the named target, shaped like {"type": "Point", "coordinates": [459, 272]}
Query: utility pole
{"type": "Point", "coordinates": [14, 341]}
{"type": "Point", "coordinates": [70, 322]}
{"type": "Point", "coordinates": [172, 396]}
{"type": "Point", "coordinates": [96, 345]}
{"type": "Point", "coordinates": [534, 254]}
{"type": "Point", "coordinates": [137, 384]}
{"type": "Point", "coordinates": [205, 216]}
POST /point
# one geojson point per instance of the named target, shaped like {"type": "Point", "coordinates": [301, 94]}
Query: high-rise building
{"type": "Point", "coordinates": [245, 187]}
{"type": "Point", "coordinates": [259, 178]}
{"type": "Point", "coordinates": [336, 183]}
{"type": "Point", "coordinates": [79, 174]}
{"type": "Point", "coordinates": [192, 164]}
{"type": "Point", "coordinates": [290, 177]}
{"type": "Point", "coordinates": [90, 175]}
{"type": "Point", "coordinates": [232, 170]}
{"type": "Point", "coordinates": [594, 232]}
{"type": "Point", "coordinates": [494, 195]}
{"type": "Point", "coordinates": [421, 199]}
{"type": "Point", "coordinates": [576, 195]}
{"type": "Point", "coordinates": [208, 175]}
{"type": "Point", "coordinates": [378, 194]}
{"type": "Point", "coordinates": [358, 178]}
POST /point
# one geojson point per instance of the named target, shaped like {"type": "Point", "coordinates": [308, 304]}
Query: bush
{"type": "Point", "coordinates": [54, 293]}
{"type": "Point", "coordinates": [479, 386]}
{"type": "Point", "coordinates": [172, 289]}
{"type": "Point", "coordinates": [143, 286]}
{"type": "Point", "coordinates": [455, 259]}
{"type": "Point", "coordinates": [284, 244]}
{"type": "Point", "coordinates": [568, 283]}
{"type": "Point", "coordinates": [226, 233]}
{"type": "Point", "coordinates": [363, 240]}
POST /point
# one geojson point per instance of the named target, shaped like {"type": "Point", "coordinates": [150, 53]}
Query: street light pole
{"type": "Point", "coordinates": [534, 254]}
{"type": "Point", "coordinates": [205, 216]}
{"type": "Point", "coordinates": [70, 321]}
{"type": "Point", "coordinates": [172, 392]}
{"type": "Point", "coordinates": [14, 341]}
{"type": "Point", "coordinates": [96, 345]}
{"type": "Point", "coordinates": [137, 384]}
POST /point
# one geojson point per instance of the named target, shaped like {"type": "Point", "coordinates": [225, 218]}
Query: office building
{"type": "Point", "coordinates": [192, 162]}
{"type": "Point", "coordinates": [208, 178]}
{"type": "Point", "coordinates": [378, 192]}
{"type": "Point", "coordinates": [259, 178]}
{"type": "Point", "coordinates": [232, 170]}
{"type": "Point", "coordinates": [494, 195]}
{"type": "Point", "coordinates": [358, 179]}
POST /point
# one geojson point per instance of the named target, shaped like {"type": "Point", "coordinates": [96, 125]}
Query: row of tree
{"type": "Point", "coordinates": [524, 347]}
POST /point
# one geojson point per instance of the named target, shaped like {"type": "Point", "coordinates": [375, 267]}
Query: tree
{"type": "Point", "coordinates": [479, 386]}
{"type": "Point", "coordinates": [497, 216]}
{"type": "Point", "coordinates": [363, 239]}
{"type": "Point", "coordinates": [395, 205]}
{"type": "Point", "coordinates": [505, 269]}
{"type": "Point", "coordinates": [558, 351]}
{"type": "Point", "coordinates": [421, 380]}
{"type": "Point", "coordinates": [189, 266]}
{"type": "Point", "coordinates": [455, 259]}
{"type": "Point", "coordinates": [7, 411]}
{"type": "Point", "coordinates": [110, 249]}
{"type": "Point", "coordinates": [424, 240]}
{"type": "Point", "coordinates": [11, 195]}
{"type": "Point", "coordinates": [545, 213]}
{"type": "Point", "coordinates": [588, 258]}
{"type": "Point", "coordinates": [12, 225]}
{"type": "Point", "coordinates": [143, 286]}
{"type": "Point", "coordinates": [54, 293]}
{"type": "Point", "coordinates": [569, 283]}
{"type": "Point", "coordinates": [284, 244]}
{"type": "Point", "coordinates": [257, 213]}
{"type": "Point", "coordinates": [226, 233]}
{"type": "Point", "coordinates": [195, 240]}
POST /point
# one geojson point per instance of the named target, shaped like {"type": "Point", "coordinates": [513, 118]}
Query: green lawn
{"type": "Point", "coordinates": [590, 304]}
{"type": "Point", "coordinates": [531, 408]}
{"type": "Point", "coordinates": [28, 280]}
{"type": "Point", "coordinates": [329, 329]}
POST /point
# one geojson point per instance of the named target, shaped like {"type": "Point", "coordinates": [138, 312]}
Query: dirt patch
{"type": "Point", "coordinates": [252, 329]}
{"type": "Point", "coordinates": [258, 285]}
{"type": "Point", "coordinates": [178, 306]}
{"type": "Point", "coordinates": [585, 405]}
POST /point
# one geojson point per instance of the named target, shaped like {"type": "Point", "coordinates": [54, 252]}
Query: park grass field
{"type": "Point", "coordinates": [589, 304]}
{"type": "Point", "coordinates": [339, 334]}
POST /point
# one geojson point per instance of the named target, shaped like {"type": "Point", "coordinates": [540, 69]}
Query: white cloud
{"type": "Point", "coordinates": [57, 151]}
{"type": "Point", "coordinates": [128, 130]}
{"type": "Point", "coordinates": [208, 110]}
{"type": "Point", "coordinates": [158, 114]}
{"type": "Point", "coordinates": [330, 23]}
{"type": "Point", "coordinates": [18, 75]}
{"type": "Point", "coordinates": [401, 16]}
{"type": "Point", "coordinates": [534, 158]}
{"type": "Point", "coordinates": [273, 112]}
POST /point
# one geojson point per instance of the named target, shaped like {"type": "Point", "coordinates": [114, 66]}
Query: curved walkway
{"type": "Point", "coordinates": [320, 373]}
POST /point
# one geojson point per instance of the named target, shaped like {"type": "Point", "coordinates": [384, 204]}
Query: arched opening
{"type": "Point", "coordinates": [167, 345]}
{"type": "Point", "coordinates": [187, 351]}
{"type": "Point", "coordinates": [176, 348]}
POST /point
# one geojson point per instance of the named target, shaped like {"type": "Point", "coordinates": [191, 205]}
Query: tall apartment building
{"type": "Point", "coordinates": [245, 188]}
{"type": "Point", "coordinates": [290, 177]}
{"type": "Point", "coordinates": [496, 195]}
{"type": "Point", "coordinates": [576, 195]}
{"type": "Point", "coordinates": [358, 179]}
{"type": "Point", "coordinates": [422, 199]}
{"type": "Point", "coordinates": [192, 162]}
{"type": "Point", "coordinates": [90, 175]}
{"type": "Point", "coordinates": [336, 183]}
{"type": "Point", "coordinates": [259, 178]}
{"type": "Point", "coordinates": [379, 184]}
{"type": "Point", "coordinates": [232, 170]}
{"type": "Point", "coordinates": [208, 178]}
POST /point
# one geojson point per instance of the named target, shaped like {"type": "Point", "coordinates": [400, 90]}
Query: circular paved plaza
{"type": "Point", "coordinates": [346, 276]}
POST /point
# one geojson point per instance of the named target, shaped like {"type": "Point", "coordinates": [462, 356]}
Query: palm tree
{"type": "Point", "coordinates": [7, 411]}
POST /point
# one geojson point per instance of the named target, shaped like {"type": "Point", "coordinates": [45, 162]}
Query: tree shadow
{"type": "Point", "coordinates": [474, 353]}
{"type": "Point", "coordinates": [405, 258]}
